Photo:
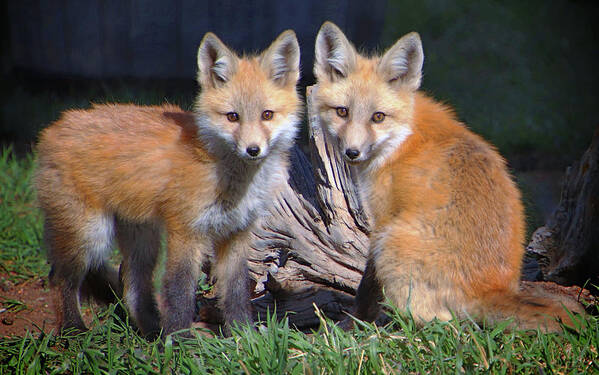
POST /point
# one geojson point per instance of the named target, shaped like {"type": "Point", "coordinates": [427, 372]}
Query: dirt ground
{"type": "Point", "coordinates": [36, 313]}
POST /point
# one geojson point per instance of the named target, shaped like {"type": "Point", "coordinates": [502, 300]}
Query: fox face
{"type": "Point", "coordinates": [248, 107]}
{"type": "Point", "coordinates": [366, 103]}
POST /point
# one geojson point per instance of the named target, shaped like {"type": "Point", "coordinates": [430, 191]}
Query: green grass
{"type": "Point", "coordinates": [20, 221]}
{"type": "Point", "coordinates": [275, 348]}
{"type": "Point", "coordinates": [112, 347]}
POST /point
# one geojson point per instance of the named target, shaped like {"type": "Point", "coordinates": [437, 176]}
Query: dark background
{"type": "Point", "coordinates": [521, 73]}
{"type": "Point", "coordinates": [159, 39]}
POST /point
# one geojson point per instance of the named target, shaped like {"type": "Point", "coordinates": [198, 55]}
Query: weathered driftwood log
{"type": "Point", "coordinates": [311, 249]}
{"type": "Point", "coordinates": [566, 249]}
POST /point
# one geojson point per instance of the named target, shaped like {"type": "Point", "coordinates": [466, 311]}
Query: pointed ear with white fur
{"type": "Point", "coordinates": [281, 60]}
{"type": "Point", "coordinates": [216, 62]}
{"type": "Point", "coordinates": [401, 65]}
{"type": "Point", "coordinates": [334, 56]}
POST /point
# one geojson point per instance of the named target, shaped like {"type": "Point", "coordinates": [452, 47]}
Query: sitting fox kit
{"type": "Point", "coordinates": [449, 226]}
{"type": "Point", "coordinates": [130, 172]}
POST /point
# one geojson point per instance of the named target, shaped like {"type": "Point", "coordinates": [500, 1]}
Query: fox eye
{"type": "Point", "coordinates": [267, 115]}
{"type": "Point", "coordinates": [378, 117]}
{"type": "Point", "coordinates": [342, 111]}
{"type": "Point", "coordinates": [233, 116]}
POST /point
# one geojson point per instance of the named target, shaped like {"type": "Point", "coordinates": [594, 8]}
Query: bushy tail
{"type": "Point", "coordinates": [528, 311]}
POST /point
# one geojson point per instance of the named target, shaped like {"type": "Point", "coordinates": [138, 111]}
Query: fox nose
{"type": "Point", "coordinates": [352, 153]}
{"type": "Point", "coordinates": [253, 150]}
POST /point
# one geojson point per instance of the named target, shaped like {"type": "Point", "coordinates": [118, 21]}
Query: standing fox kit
{"type": "Point", "coordinates": [449, 226]}
{"type": "Point", "coordinates": [129, 172]}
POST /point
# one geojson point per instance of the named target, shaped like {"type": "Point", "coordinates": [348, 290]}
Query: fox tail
{"type": "Point", "coordinates": [529, 311]}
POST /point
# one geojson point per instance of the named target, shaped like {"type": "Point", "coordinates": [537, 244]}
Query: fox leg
{"type": "Point", "coordinates": [67, 284]}
{"type": "Point", "coordinates": [369, 294]}
{"type": "Point", "coordinates": [140, 245]}
{"type": "Point", "coordinates": [368, 297]}
{"type": "Point", "coordinates": [233, 281]}
{"type": "Point", "coordinates": [183, 261]}
{"type": "Point", "coordinates": [69, 312]}
{"type": "Point", "coordinates": [77, 249]}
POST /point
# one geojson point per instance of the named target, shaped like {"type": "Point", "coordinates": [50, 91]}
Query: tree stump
{"type": "Point", "coordinates": [311, 248]}
{"type": "Point", "coordinates": [566, 249]}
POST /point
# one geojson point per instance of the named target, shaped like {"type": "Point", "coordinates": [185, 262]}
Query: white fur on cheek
{"type": "Point", "coordinates": [386, 146]}
{"type": "Point", "coordinates": [285, 134]}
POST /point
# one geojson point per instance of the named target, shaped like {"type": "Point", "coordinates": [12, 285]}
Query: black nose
{"type": "Point", "coordinates": [352, 153]}
{"type": "Point", "coordinates": [253, 151]}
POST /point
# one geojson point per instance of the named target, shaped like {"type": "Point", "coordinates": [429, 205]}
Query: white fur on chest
{"type": "Point", "coordinates": [247, 190]}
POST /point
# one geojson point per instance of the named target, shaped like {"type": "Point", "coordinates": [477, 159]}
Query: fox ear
{"type": "Point", "coordinates": [216, 63]}
{"type": "Point", "coordinates": [401, 65]}
{"type": "Point", "coordinates": [335, 57]}
{"type": "Point", "coordinates": [281, 60]}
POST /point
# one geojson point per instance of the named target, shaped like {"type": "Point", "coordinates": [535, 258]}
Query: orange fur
{"type": "Point", "coordinates": [448, 219]}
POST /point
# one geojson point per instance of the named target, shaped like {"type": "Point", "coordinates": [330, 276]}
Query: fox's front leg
{"type": "Point", "coordinates": [233, 281]}
{"type": "Point", "coordinates": [184, 256]}
{"type": "Point", "coordinates": [369, 295]}
{"type": "Point", "coordinates": [367, 304]}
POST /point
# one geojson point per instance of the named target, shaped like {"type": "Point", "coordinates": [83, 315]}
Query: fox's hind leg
{"type": "Point", "coordinates": [77, 249]}
{"type": "Point", "coordinates": [140, 245]}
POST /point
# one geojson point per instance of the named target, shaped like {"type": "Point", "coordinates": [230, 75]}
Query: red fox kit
{"type": "Point", "coordinates": [448, 227]}
{"type": "Point", "coordinates": [129, 172]}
